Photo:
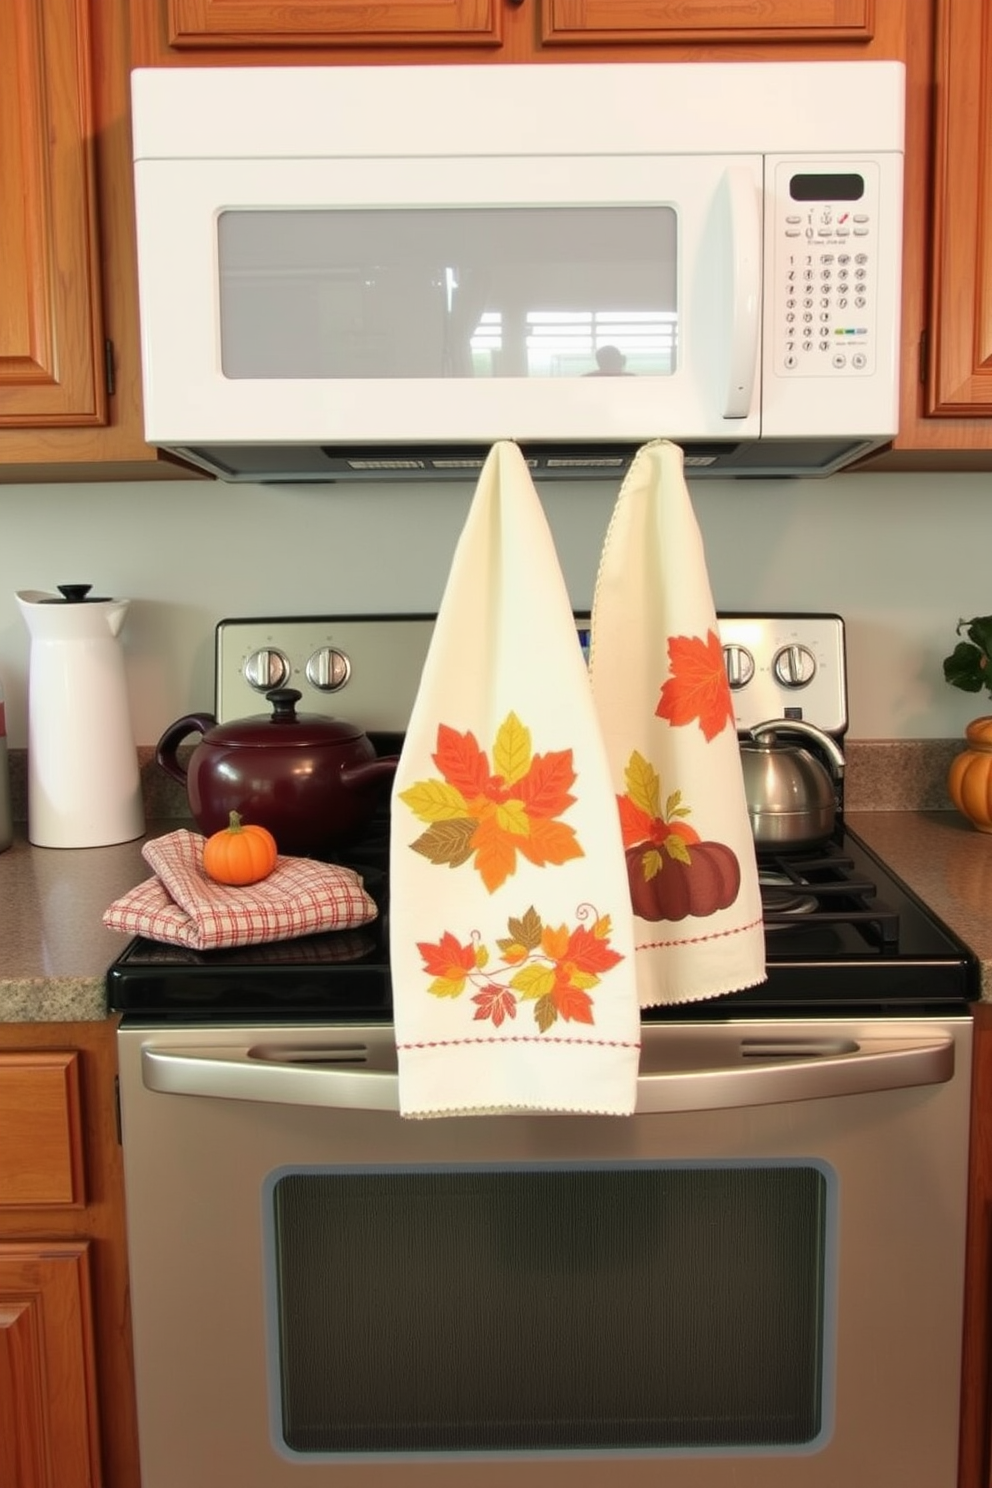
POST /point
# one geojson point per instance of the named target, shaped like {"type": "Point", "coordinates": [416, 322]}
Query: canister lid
{"type": "Point", "coordinates": [76, 594]}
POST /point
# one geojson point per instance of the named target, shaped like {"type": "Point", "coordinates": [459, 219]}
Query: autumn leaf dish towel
{"type": "Point", "coordinates": [667, 719]}
{"type": "Point", "coordinates": [510, 931]}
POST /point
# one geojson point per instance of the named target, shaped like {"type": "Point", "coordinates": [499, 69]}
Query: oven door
{"type": "Point", "coordinates": [756, 1279]}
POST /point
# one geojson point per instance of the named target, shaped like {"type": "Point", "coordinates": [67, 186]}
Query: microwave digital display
{"type": "Point", "coordinates": [824, 188]}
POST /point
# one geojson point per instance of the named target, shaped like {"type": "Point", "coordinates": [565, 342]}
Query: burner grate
{"type": "Point", "coordinates": [824, 889]}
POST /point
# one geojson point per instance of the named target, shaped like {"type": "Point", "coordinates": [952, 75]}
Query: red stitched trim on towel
{"type": "Point", "coordinates": [523, 1039]}
{"type": "Point", "coordinates": [660, 945]}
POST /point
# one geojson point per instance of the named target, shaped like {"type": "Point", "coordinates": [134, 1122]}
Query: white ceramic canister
{"type": "Point", "coordinates": [84, 787]}
{"type": "Point", "coordinates": [6, 817]}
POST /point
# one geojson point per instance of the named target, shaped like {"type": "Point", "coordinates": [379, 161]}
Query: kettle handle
{"type": "Point", "coordinates": [166, 748]}
{"type": "Point", "coordinates": [809, 731]}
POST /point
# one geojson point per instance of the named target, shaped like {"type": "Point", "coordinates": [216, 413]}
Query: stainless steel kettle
{"type": "Point", "coordinates": [791, 796]}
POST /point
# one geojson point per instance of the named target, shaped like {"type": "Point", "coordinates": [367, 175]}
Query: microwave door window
{"type": "Point", "coordinates": [494, 292]}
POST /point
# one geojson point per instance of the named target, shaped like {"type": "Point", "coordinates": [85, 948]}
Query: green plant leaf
{"type": "Point", "coordinates": [967, 668]}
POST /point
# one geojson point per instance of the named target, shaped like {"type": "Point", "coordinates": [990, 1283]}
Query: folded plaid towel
{"type": "Point", "coordinates": [182, 906]}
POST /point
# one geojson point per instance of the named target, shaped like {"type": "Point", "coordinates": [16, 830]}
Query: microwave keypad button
{"type": "Point", "coordinates": [792, 232]}
{"type": "Point", "coordinates": [861, 217]}
{"type": "Point", "coordinates": [839, 359]}
{"type": "Point", "coordinates": [791, 360]}
{"type": "Point", "coordinates": [859, 360]}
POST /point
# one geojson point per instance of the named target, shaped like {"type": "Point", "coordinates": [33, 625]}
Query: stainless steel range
{"type": "Point", "coordinates": [756, 1279]}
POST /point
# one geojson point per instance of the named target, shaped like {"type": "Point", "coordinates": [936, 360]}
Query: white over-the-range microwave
{"type": "Point", "coordinates": [376, 272]}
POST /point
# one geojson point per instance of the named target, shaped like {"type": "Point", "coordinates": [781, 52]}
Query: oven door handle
{"type": "Point", "coordinates": [740, 1070]}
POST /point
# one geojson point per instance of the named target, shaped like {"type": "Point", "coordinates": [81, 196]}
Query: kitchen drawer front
{"type": "Point", "coordinates": [41, 1155]}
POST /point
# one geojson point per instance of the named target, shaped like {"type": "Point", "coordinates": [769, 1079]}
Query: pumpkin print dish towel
{"type": "Point", "coordinates": [667, 720]}
{"type": "Point", "coordinates": [510, 930]}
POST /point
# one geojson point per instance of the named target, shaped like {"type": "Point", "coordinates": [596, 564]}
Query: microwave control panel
{"type": "Point", "coordinates": [825, 271]}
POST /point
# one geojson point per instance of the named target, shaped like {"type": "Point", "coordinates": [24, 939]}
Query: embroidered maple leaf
{"type": "Point", "coordinates": [491, 812]}
{"type": "Point", "coordinates": [495, 1002]}
{"type": "Point", "coordinates": [450, 963]}
{"type": "Point", "coordinates": [698, 689]}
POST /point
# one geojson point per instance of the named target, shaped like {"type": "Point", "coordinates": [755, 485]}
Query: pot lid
{"type": "Point", "coordinates": [284, 726]}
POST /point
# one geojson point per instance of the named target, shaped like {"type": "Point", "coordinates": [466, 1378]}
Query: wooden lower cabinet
{"type": "Point", "coordinates": [67, 1413]}
{"type": "Point", "coordinates": [49, 1436]}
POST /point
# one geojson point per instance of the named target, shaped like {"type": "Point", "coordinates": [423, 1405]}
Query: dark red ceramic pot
{"type": "Point", "coordinates": [308, 778]}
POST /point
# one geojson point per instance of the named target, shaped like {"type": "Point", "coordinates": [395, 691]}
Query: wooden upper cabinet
{"type": "Point", "coordinates": [51, 330]}
{"type": "Point", "coordinates": [960, 372]}
{"type": "Point", "coordinates": [321, 23]}
{"type": "Point", "coordinates": [787, 21]}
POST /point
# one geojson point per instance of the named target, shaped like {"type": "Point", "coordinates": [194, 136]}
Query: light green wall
{"type": "Point", "coordinates": [900, 557]}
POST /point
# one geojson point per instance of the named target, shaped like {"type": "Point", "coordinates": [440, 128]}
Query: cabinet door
{"type": "Point", "coordinates": [705, 21]}
{"type": "Point", "coordinates": [51, 337]}
{"type": "Point", "coordinates": [322, 23]}
{"type": "Point", "coordinates": [48, 1430]}
{"type": "Point", "coordinates": [961, 369]}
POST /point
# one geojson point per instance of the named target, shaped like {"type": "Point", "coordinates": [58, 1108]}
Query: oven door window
{"type": "Point", "coordinates": [655, 1307]}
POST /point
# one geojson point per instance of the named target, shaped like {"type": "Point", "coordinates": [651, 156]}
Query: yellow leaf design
{"type": "Point", "coordinates": [651, 863]}
{"type": "Point", "coordinates": [511, 750]}
{"type": "Point", "coordinates": [435, 801]}
{"type": "Point", "coordinates": [447, 986]}
{"type": "Point", "coordinates": [643, 785]}
{"type": "Point", "coordinates": [676, 848]}
{"type": "Point", "coordinates": [585, 979]}
{"type": "Point", "coordinates": [512, 817]}
{"type": "Point", "coordinates": [603, 928]}
{"type": "Point", "coordinates": [533, 981]}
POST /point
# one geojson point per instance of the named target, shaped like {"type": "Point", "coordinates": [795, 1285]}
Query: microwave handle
{"type": "Point", "coordinates": [745, 289]}
{"type": "Point", "coordinates": [783, 1070]}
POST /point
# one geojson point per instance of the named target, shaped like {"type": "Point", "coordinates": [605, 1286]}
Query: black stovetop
{"type": "Point", "coordinates": [843, 936]}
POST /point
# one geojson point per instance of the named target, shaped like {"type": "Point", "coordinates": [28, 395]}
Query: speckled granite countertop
{"type": "Point", "coordinates": [54, 950]}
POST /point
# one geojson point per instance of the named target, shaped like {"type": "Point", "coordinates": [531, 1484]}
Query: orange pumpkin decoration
{"type": "Point", "coordinates": [706, 879]}
{"type": "Point", "coordinates": [239, 854]}
{"type": "Point", "coordinates": [969, 779]}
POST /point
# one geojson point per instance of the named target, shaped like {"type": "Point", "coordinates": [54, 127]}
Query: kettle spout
{"type": "Point", "coordinates": [356, 777]}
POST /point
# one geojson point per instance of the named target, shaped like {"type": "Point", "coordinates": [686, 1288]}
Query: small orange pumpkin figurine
{"type": "Point", "coordinates": [239, 854]}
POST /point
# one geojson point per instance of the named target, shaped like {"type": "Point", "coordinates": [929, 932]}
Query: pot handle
{"type": "Point", "coordinates": [165, 749]}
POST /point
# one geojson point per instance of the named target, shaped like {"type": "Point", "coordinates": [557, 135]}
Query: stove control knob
{"type": "Point", "coordinates": [740, 666]}
{"type": "Point", "coordinates": [267, 668]}
{"type": "Point", "coordinates": [794, 666]}
{"type": "Point", "coordinates": [328, 669]}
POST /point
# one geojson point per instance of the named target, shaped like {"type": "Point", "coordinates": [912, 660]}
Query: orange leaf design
{"type": "Point", "coordinates": [462, 763]}
{"type": "Point", "coordinates": [573, 1004]}
{"type": "Point", "coordinates": [495, 852]}
{"type": "Point", "coordinates": [589, 952]}
{"type": "Point", "coordinates": [549, 842]}
{"type": "Point", "coordinates": [447, 958]}
{"type": "Point", "coordinates": [698, 687]}
{"type": "Point", "coordinates": [544, 789]}
{"type": "Point", "coordinates": [635, 824]}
